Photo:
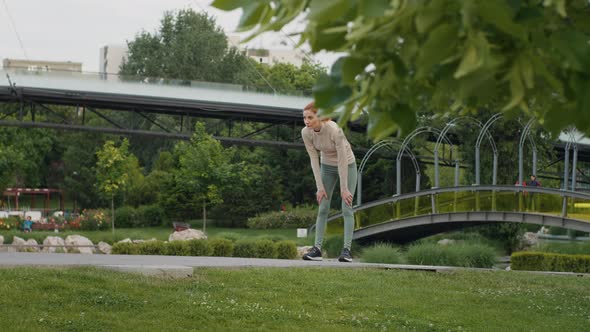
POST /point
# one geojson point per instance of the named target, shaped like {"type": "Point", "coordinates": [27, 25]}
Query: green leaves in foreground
{"type": "Point", "coordinates": [444, 55]}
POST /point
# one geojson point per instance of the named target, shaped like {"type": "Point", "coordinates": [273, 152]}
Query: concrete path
{"type": "Point", "coordinates": [168, 265]}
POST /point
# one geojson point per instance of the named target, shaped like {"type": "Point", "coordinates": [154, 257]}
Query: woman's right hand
{"type": "Point", "coordinates": [321, 194]}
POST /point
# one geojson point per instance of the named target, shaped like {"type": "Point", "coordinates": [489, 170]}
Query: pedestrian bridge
{"type": "Point", "coordinates": [407, 217]}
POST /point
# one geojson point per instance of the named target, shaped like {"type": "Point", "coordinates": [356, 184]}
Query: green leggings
{"type": "Point", "coordinates": [329, 178]}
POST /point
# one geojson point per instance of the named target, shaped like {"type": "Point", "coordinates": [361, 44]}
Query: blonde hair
{"type": "Point", "coordinates": [311, 107]}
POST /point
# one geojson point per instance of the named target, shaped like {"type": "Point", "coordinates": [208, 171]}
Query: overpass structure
{"type": "Point", "coordinates": [37, 94]}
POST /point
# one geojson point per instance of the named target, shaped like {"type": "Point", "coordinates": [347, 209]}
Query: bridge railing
{"type": "Point", "coordinates": [538, 200]}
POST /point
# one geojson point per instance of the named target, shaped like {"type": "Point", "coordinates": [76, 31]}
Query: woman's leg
{"type": "Point", "coordinates": [329, 177]}
{"type": "Point", "coordinates": [346, 209]}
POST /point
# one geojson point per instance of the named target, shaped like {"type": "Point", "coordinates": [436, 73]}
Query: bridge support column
{"type": "Point", "coordinates": [566, 161]}
{"type": "Point", "coordinates": [564, 207]}
{"type": "Point", "coordinates": [433, 203]}
{"type": "Point", "coordinates": [456, 173]}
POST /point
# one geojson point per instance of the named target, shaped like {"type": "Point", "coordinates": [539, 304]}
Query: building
{"type": "Point", "coordinates": [110, 59]}
{"type": "Point", "coordinates": [39, 65]}
{"type": "Point", "coordinates": [272, 56]}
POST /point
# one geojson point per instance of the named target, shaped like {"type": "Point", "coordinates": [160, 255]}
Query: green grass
{"type": "Point", "coordinates": [161, 233]}
{"type": "Point", "coordinates": [88, 299]}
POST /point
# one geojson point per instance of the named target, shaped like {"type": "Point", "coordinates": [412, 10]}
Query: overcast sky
{"type": "Point", "coordinates": [74, 30]}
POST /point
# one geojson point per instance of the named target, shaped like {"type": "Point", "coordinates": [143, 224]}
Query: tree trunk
{"type": "Point", "coordinates": [113, 215]}
{"type": "Point", "coordinates": [204, 218]}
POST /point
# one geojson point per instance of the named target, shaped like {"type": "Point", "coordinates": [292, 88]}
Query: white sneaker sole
{"type": "Point", "coordinates": [307, 258]}
{"type": "Point", "coordinates": [345, 260]}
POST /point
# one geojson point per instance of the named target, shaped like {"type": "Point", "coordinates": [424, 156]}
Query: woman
{"type": "Point", "coordinates": [337, 163]}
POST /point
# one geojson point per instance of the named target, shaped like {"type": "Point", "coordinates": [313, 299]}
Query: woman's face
{"type": "Point", "coordinates": [311, 120]}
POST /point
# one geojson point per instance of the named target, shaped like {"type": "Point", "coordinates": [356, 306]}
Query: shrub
{"type": "Point", "coordinates": [221, 247]}
{"type": "Point", "coordinates": [245, 248]}
{"type": "Point", "coordinates": [265, 249]}
{"type": "Point", "coordinates": [229, 236]}
{"type": "Point", "coordinates": [382, 253]}
{"type": "Point", "coordinates": [538, 261]}
{"type": "Point", "coordinates": [92, 220]}
{"type": "Point", "coordinates": [125, 216]}
{"type": "Point", "coordinates": [12, 222]}
{"type": "Point", "coordinates": [199, 248]}
{"type": "Point", "coordinates": [333, 245]}
{"type": "Point", "coordinates": [286, 250]}
{"type": "Point", "coordinates": [177, 248]}
{"type": "Point", "coordinates": [151, 248]}
{"type": "Point", "coordinates": [150, 215]}
{"type": "Point", "coordinates": [296, 218]}
{"type": "Point", "coordinates": [125, 248]}
{"type": "Point", "coordinates": [466, 255]}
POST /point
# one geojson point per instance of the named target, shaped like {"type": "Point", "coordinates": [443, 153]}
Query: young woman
{"type": "Point", "coordinates": [337, 164]}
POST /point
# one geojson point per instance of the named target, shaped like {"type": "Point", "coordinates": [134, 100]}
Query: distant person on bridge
{"type": "Point", "coordinates": [338, 164]}
{"type": "Point", "coordinates": [532, 183]}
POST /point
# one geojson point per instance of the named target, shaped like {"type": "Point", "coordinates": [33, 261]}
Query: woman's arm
{"type": "Point", "coordinates": [314, 159]}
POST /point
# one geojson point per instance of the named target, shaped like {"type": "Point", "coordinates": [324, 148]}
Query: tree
{"type": "Point", "coordinates": [188, 46]}
{"type": "Point", "coordinates": [113, 168]}
{"type": "Point", "coordinates": [407, 56]}
{"type": "Point", "coordinates": [203, 170]}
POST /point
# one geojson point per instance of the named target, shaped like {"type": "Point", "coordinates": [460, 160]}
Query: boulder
{"type": "Point", "coordinates": [187, 234]}
{"type": "Point", "coordinates": [33, 243]}
{"type": "Point", "coordinates": [104, 248]}
{"type": "Point", "coordinates": [79, 240]}
{"type": "Point", "coordinates": [446, 242]}
{"type": "Point", "coordinates": [529, 239]}
{"type": "Point", "coordinates": [302, 250]}
{"type": "Point", "coordinates": [54, 241]}
{"type": "Point", "coordinates": [19, 242]}
{"type": "Point", "coordinates": [125, 240]}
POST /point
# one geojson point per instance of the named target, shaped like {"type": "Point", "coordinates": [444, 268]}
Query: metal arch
{"type": "Point", "coordinates": [405, 143]}
{"type": "Point", "coordinates": [485, 129]}
{"type": "Point", "coordinates": [387, 143]}
{"type": "Point", "coordinates": [525, 133]}
{"type": "Point", "coordinates": [573, 142]}
{"type": "Point", "coordinates": [444, 133]}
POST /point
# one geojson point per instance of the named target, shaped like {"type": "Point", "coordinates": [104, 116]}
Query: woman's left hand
{"type": "Point", "coordinates": [346, 197]}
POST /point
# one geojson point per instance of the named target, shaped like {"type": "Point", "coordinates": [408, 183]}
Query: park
{"type": "Point", "coordinates": [177, 193]}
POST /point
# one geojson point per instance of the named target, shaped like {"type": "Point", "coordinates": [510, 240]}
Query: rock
{"type": "Point", "coordinates": [79, 240]}
{"type": "Point", "coordinates": [302, 250]}
{"type": "Point", "coordinates": [508, 268]}
{"type": "Point", "coordinates": [125, 240]}
{"type": "Point", "coordinates": [529, 239]}
{"type": "Point", "coordinates": [445, 242]}
{"type": "Point", "coordinates": [33, 244]}
{"type": "Point", "coordinates": [18, 241]}
{"type": "Point", "coordinates": [104, 248]}
{"type": "Point", "coordinates": [54, 241]}
{"type": "Point", "coordinates": [187, 234]}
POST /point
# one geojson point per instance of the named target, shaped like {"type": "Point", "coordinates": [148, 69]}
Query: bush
{"type": "Point", "coordinates": [538, 261]}
{"type": "Point", "coordinates": [12, 222]}
{"type": "Point", "coordinates": [296, 218]}
{"type": "Point", "coordinates": [221, 247]}
{"type": "Point", "coordinates": [150, 215]}
{"type": "Point", "coordinates": [92, 220]}
{"type": "Point", "coordinates": [465, 255]}
{"type": "Point", "coordinates": [245, 248]}
{"type": "Point", "coordinates": [177, 248]}
{"type": "Point", "coordinates": [229, 236]}
{"type": "Point", "coordinates": [125, 248]}
{"type": "Point", "coordinates": [265, 249]}
{"type": "Point", "coordinates": [199, 248]}
{"type": "Point", "coordinates": [566, 248]}
{"type": "Point", "coordinates": [333, 245]}
{"type": "Point", "coordinates": [286, 250]}
{"type": "Point", "coordinates": [382, 253]}
{"type": "Point", "coordinates": [125, 216]}
{"type": "Point", "coordinates": [151, 248]}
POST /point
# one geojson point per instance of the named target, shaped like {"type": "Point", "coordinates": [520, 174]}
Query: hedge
{"type": "Point", "coordinates": [297, 218]}
{"type": "Point", "coordinates": [540, 261]}
{"type": "Point", "coordinates": [262, 248]}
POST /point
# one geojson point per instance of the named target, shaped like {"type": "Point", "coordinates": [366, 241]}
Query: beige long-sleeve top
{"type": "Point", "coordinates": [334, 150]}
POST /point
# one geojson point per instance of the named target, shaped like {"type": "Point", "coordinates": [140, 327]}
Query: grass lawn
{"type": "Point", "coordinates": [159, 233]}
{"type": "Point", "coordinates": [294, 299]}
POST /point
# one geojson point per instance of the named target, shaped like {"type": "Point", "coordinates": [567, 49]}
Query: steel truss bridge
{"type": "Point", "coordinates": [407, 217]}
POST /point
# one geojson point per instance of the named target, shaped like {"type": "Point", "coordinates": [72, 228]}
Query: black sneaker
{"type": "Point", "coordinates": [313, 254]}
{"type": "Point", "coordinates": [345, 256]}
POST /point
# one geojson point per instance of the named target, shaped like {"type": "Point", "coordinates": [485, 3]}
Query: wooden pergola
{"type": "Point", "coordinates": [34, 192]}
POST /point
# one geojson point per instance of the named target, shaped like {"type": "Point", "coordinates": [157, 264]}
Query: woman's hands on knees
{"type": "Point", "coordinates": [346, 197]}
{"type": "Point", "coordinates": [321, 194]}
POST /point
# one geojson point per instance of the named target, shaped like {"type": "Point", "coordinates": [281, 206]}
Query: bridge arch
{"type": "Point", "coordinates": [390, 143]}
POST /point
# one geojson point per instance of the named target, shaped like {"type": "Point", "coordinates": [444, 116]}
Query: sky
{"type": "Point", "coordinates": [75, 30]}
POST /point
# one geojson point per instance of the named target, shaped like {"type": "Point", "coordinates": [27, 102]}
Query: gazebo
{"type": "Point", "coordinates": [34, 192]}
